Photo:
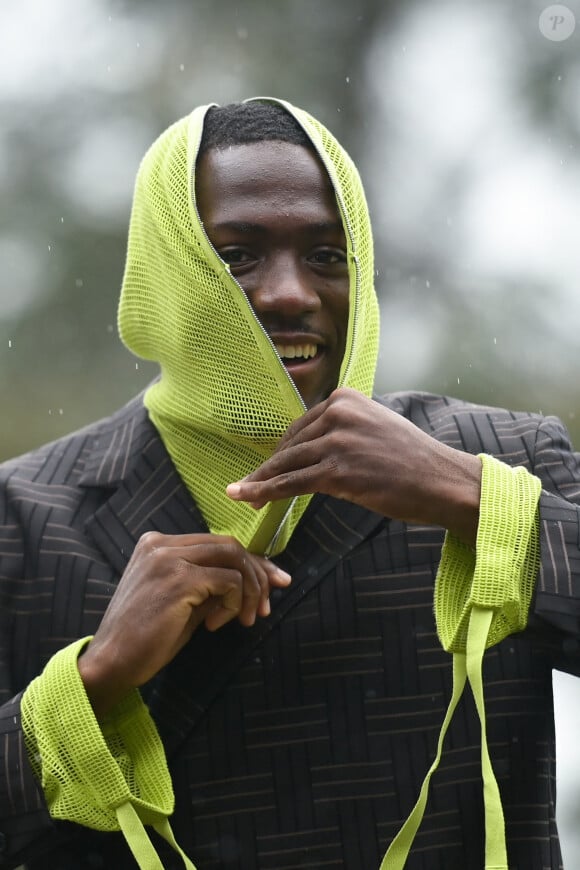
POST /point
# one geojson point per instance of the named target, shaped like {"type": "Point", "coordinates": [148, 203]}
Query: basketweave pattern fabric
{"type": "Point", "coordinates": [224, 398]}
{"type": "Point", "coordinates": [302, 741]}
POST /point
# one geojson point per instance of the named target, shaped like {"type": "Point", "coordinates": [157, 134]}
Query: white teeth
{"type": "Point", "coordinates": [297, 351]}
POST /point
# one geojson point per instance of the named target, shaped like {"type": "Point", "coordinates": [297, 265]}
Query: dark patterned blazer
{"type": "Point", "coordinates": [300, 742]}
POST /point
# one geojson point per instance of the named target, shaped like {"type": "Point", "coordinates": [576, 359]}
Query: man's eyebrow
{"type": "Point", "coordinates": [238, 226]}
{"type": "Point", "coordinates": [327, 227]}
{"type": "Point", "coordinates": [248, 227]}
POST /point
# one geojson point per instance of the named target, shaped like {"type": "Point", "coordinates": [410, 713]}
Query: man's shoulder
{"type": "Point", "coordinates": [65, 460]}
{"type": "Point", "coordinates": [435, 406]}
{"type": "Point", "coordinates": [469, 426]}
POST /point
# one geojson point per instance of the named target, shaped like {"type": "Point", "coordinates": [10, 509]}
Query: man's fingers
{"type": "Point", "coordinates": [276, 576]}
{"type": "Point", "coordinates": [301, 447]}
{"type": "Point", "coordinates": [251, 598]}
{"type": "Point", "coordinates": [154, 540]}
{"type": "Point", "coordinates": [263, 604]}
{"type": "Point", "coordinates": [267, 574]}
{"type": "Point", "coordinates": [255, 590]}
{"type": "Point", "coordinates": [285, 485]}
{"type": "Point", "coordinates": [215, 569]}
{"type": "Point", "coordinates": [242, 590]}
{"type": "Point", "coordinates": [298, 448]}
{"type": "Point", "coordinates": [305, 428]}
{"type": "Point", "coordinates": [293, 471]}
{"type": "Point", "coordinates": [224, 594]}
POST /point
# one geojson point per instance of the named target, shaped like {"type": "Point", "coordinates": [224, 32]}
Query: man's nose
{"type": "Point", "coordinates": [285, 285]}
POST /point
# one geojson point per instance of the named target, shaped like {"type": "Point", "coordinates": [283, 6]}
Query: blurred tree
{"type": "Point", "coordinates": [128, 68]}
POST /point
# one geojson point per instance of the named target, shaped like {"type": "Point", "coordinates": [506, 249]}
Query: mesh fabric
{"type": "Point", "coordinates": [224, 398]}
{"type": "Point", "coordinates": [109, 776]}
{"type": "Point", "coordinates": [500, 575]}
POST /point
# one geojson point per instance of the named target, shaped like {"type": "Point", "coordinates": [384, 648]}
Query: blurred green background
{"type": "Point", "coordinates": [463, 117]}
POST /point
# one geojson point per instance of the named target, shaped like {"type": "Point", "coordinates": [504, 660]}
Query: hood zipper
{"type": "Point", "coordinates": [287, 512]}
{"type": "Point", "coordinates": [338, 193]}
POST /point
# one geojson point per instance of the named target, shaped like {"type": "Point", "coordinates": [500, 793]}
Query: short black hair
{"type": "Point", "coordinates": [246, 123]}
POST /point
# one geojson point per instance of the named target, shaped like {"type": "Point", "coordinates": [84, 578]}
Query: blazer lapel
{"type": "Point", "coordinates": [129, 459]}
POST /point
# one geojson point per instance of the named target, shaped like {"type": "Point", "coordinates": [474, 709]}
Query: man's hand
{"type": "Point", "coordinates": [171, 585]}
{"type": "Point", "coordinates": [354, 448]}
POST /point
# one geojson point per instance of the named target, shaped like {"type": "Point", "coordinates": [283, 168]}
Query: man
{"type": "Point", "coordinates": [299, 718]}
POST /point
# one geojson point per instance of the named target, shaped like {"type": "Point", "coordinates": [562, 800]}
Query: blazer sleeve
{"type": "Point", "coordinates": [23, 813]}
{"type": "Point", "coordinates": [556, 606]}
{"type": "Point", "coordinates": [24, 817]}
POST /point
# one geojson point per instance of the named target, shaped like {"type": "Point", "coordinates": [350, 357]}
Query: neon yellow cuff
{"type": "Point", "coordinates": [502, 575]}
{"type": "Point", "coordinates": [111, 777]}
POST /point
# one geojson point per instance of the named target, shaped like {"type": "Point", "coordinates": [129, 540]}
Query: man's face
{"type": "Point", "coordinates": [270, 212]}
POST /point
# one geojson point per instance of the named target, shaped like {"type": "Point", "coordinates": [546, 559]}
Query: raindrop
{"type": "Point", "coordinates": [78, 282]}
{"type": "Point", "coordinates": [458, 381]}
{"type": "Point", "coordinates": [495, 341]}
{"type": "Point", "coordinates": [136, 365]}
{"type": "Point", "coordinates": [60, 411]}
{"type": "Point", "coordinates": [110, 327]}
{"type": "Point", "coordinates": [9, 342]}
{"type": "Point", "coordinates": [181, 67]}
{"type": "Point", "coordinates": [49, 248]}
{"type": "Point", "coordinates": [427, 283]}
{"type": "Point", "coordinates": [62, 220]}
{"type": "Point", "coordinates": [348, 80]}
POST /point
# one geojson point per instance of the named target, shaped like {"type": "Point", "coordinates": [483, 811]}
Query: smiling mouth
{"type": "Point", "coordinates": [296, 353]}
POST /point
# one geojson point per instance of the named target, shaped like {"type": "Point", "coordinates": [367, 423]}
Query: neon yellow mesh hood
{"type": "Point", "coordinates": [224, 398]}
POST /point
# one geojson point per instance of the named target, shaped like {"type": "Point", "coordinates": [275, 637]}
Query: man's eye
{"type": "Point", "coordinates": [235, 256]}
{"type": "Point", "coordinates": [328, 256]}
